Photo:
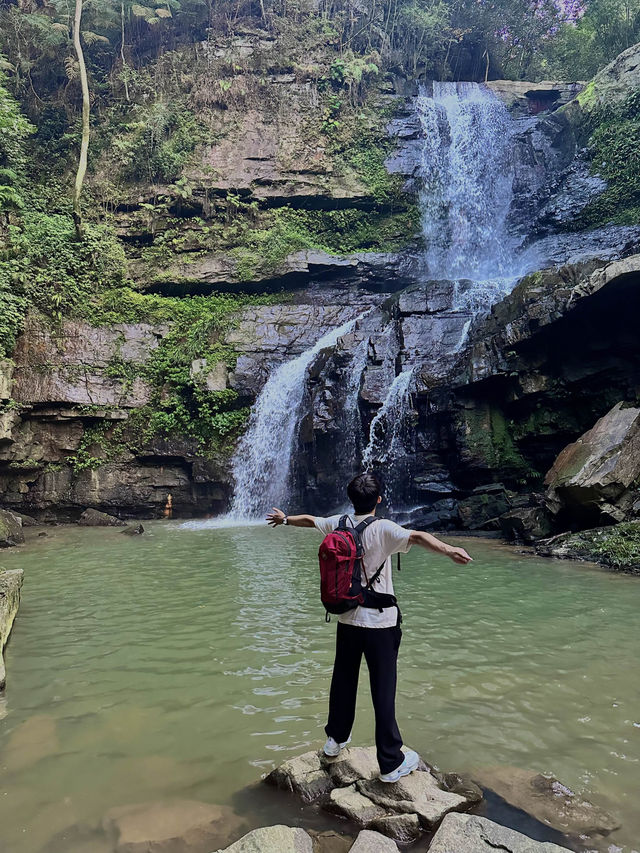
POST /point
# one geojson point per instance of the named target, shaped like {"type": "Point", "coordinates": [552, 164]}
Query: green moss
{"type": "Point", "coordinates": [617, 547]}
{"type": "Point", "coordinates": [614, 148]}
{"type": "Point", "coordinates": [489, 437]}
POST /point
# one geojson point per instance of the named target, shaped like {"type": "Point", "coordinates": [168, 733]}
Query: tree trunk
{"type": "Point", "coordinates": [124, 63]}
{"type": "Point", "coordinates": [84, 147]}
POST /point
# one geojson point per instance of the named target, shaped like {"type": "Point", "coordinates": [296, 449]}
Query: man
{"type": "Point", "coordinates": [369, 631]}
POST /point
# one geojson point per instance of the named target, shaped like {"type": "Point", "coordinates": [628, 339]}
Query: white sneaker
{"type": "Point", "coordinates": [410, 763]}
{"type": "Point", "coordinates": [332, 747]}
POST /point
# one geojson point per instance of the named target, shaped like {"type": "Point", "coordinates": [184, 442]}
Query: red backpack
{"type": "Point", "coordinates": [341, 556]}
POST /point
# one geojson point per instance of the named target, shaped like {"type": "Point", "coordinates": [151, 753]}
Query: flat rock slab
{"type": "Point", "coordinates": [404, 828]}
{"type": "Point", "coordinates": [472, 834]}
{"type": "Point", "coordinates": [350, 803]}
{"type": "Point", "coordinates": [305, 775]}
{"type": "Point", "coordinates": [95, 518]}
{"type": "Point", "coordinates": [273, 839]}
{"type": "Point", "coordinates": [183, 826]}
{"type": "Point", "coordinates": [418, 793]}
{"type": "Point", "coordinates": [373, 842]}
{"type": "Point", "coordinates": [548, 800]}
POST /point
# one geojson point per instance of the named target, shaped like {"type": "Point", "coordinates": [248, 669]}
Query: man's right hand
{"type": "Point", "coordinates": [275, 517]}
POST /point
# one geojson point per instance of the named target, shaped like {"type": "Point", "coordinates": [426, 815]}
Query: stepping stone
{"type": "Point", "coordinates": [273, 839]}
{"type": "Point", "coordinates": [404, 828]}
{"type": "Point", "coordinates": [418, 793]}
{"type": "Point", "coordinates": [372, 842]}
{"type": "Point", "coordinates": [472, 834]}
{"type": "Point", "coordinates": [350, 803]}
{"type": "Point", "coordinates": [352, 764]}
{"type": "Point", "coordinates": [304, 775]}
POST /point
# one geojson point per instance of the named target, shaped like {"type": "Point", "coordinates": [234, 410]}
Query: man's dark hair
{"type": "Point", "coordinates": [364, 491]}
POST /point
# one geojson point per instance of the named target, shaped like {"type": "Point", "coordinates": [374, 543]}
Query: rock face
{"type": "Point", "coordinates": [348, 786]}
{"type": "Point", "coordinates": [472, 834]}
{"type": "Point", "coordinates": [594, 478]}
{"type": "Point", "coordinates": [548, 800]}
{"type": "Point", "coordinates": [524, 98]}
{"type": "Point", "coordinates": [273, 839]}
{"type": "Point", "coordinates": [10, 585]}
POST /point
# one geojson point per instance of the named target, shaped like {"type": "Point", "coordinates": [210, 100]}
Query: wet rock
{"type": "Point", "coordinates": [354, 805]}
{"type": "Point", "coordinates": [273, 839]}
{"type": "Point", "coordinates": [548, 800]}
{"type": "Point", "coordinates": [10, 529]}
{"type": "Point", "coordinates": [187, 826]}
{"type": "Point", "coordinates": [373, 842]}
{"type": "Point", "coordinates": [10, 585]}
{"type": "Point", "coordinates": [138, 530]}
{"type": "Point", "coordinates": [95, 518]}
{"type": "Point", "coordinates": [34, 739]}
{"type": "Point", "coordinates": [472, 834]}
{"type": "Point", "coordinates": [593, 479]}
{"type": "Point", "coordinates": [527, 524]}
{"type": "Point", "coordinates": [331, 842]}
{"type": "Point", "coordinates": [352, 764]}
{"type": "Point", "coordinates": [403, 828]}
{"type": "Point", "coordinates": [485, 504]}
{"type": "Point", "coordinates": [26, 520]}
{"type": "Point", "coordinates": [417, 794]}
{"type": "Point", "coordinates": [616, 547]}
{"type": "Point", "coordinates": [305, 775]}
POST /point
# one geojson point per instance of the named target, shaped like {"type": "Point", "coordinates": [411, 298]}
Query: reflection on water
{"type": "Point", "coordinates": [186, 662]}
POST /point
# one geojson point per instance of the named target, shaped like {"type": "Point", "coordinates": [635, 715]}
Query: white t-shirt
{"type": "Point", "coordinates": [380, 540]}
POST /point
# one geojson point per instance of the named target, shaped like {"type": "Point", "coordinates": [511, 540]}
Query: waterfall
{"type": "Point", "coordinates": [263, 459]}
{"type": "Point", "coordinates": [467, 188]}
{"type": "Point", "coordinates": [385, 432]}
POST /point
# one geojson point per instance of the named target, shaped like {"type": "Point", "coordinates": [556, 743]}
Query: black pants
{"type": "Point", "coordinates": [380, 648]}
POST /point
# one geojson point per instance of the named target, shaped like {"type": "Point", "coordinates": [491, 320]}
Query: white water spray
{"type": "Point", "coordinates": [467, 174]}
{"type": "Point", "coordinates": [385, 433]}
{"type": "Point", "coordinates": [263, 459]}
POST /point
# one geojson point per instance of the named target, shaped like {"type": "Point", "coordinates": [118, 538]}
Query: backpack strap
{"type": "Point", "coordinates": [362, 526]}
{"type": "Point", "coordinates": [342, 524]}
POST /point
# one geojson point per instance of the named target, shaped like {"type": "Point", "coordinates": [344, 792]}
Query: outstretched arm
{"type": "Point", "coordinates": [431, 543]}
{"type": "Point", "coordinates": [276, 517]}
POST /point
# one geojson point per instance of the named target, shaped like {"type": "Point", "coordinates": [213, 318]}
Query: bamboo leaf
{"type": "Point", "coordinates": [163, 13]}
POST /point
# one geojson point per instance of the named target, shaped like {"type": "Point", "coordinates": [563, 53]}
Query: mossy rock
{"type": "Point", "coordinates": [616, 547]}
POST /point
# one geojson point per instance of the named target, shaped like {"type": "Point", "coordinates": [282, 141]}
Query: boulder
{"type": "Point", "coordinates": [354, 805]}
{"type": "Point", "coordinates": [183, 826]}
{"type": "Point", "coordinates": [10, 529]}
{"type": "Point", "coordinates": [472, 834]}
{"type": "Point", "coordinates": [418, 794]}
{"type": "Point", "coordinates": [373, 842]}
{"type": "Point", "coordinates": [352, 764]}
{"type": "Point", "coordinates": [593, 478]}
{"type": "Point", "coordinates": [133, 530]}
{"type": "Point", "coordinates": [528, 524]}
{"type": "Point", "coordinates": [273, 839]}
{"type": "Point", "coordinates": [548, 800]}
{"type": "Point", "coordinates": [10, 585]}
{"type": "Point", "coordinates": [305, 775]}
{"type": "Point", "coordinates": [95, 518]}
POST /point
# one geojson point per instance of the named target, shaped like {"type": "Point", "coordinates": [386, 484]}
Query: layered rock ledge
{"type": "Point", "coordinates": [10, 585]}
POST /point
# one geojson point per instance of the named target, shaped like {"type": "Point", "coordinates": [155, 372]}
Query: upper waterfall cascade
{"type": "Point", "coordinates": [467, 177]}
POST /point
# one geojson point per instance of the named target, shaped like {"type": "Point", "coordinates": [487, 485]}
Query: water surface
{"type": "Point", "coordinates": [187, 662]}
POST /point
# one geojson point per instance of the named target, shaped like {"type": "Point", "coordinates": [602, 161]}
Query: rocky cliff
{"type": "Point", "coordinates": [307, 215]}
